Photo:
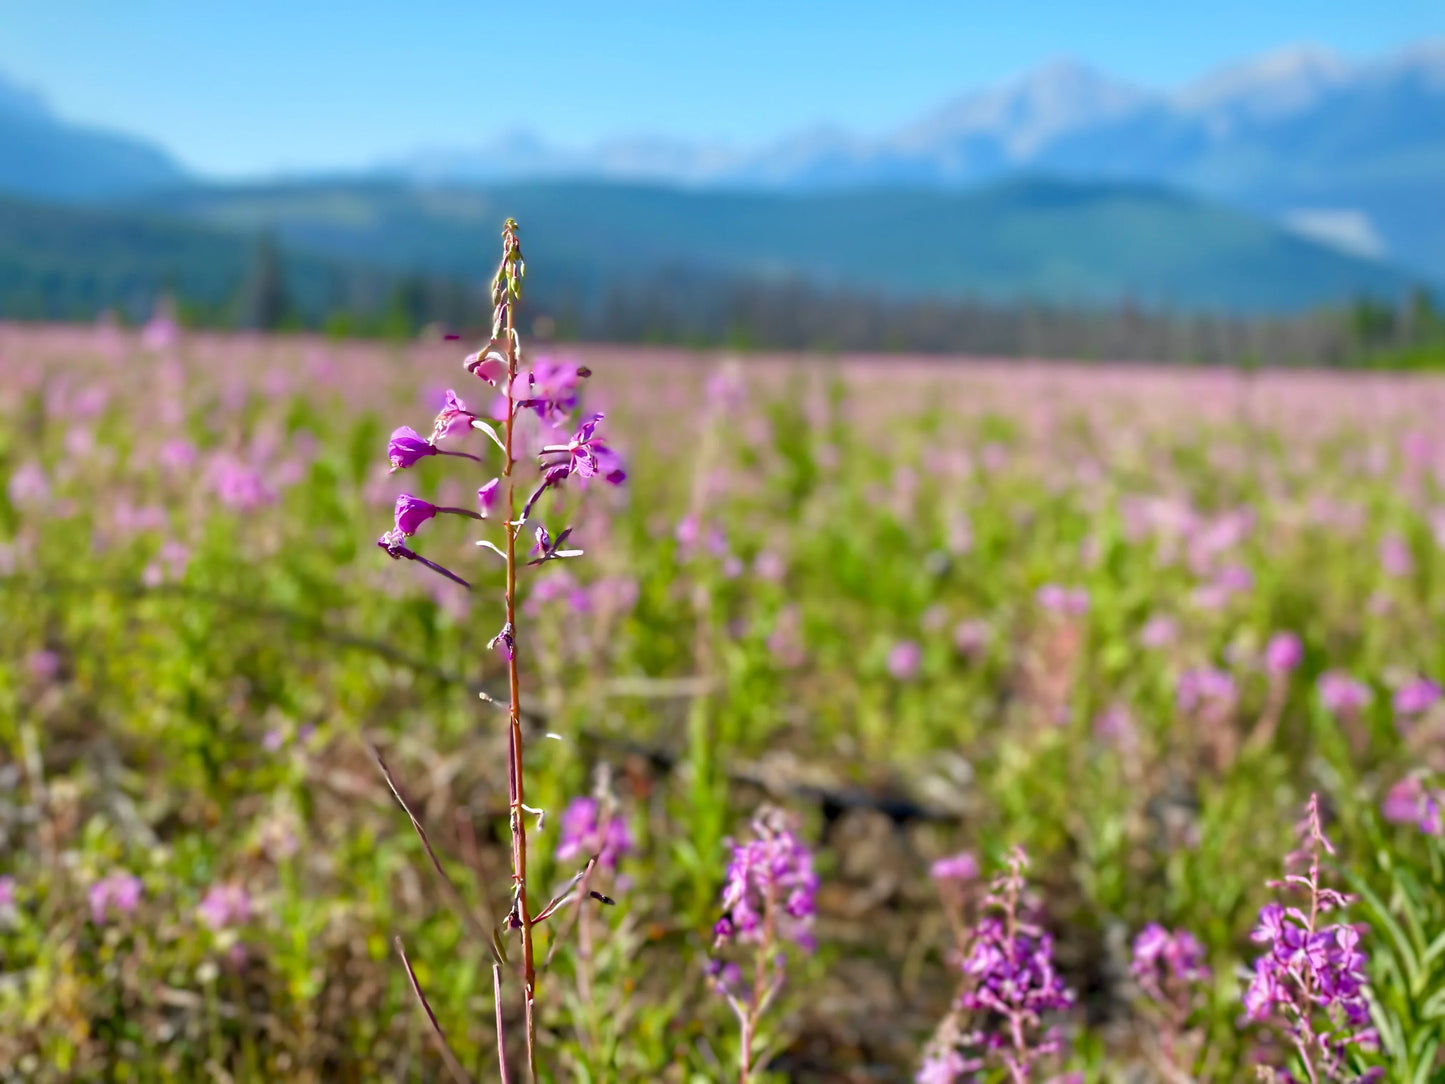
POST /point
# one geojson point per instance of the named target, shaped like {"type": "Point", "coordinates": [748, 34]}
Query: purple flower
{"type": "Point", "coordinates": [769, 888]}
{"type": "Point", "coordinates": [610, 467]}
{"type": "Point", "coordinates": [7, 891]}
{"type": "Point", "coordinates": [1159, 631]}
{"type": "Point", "coordinates": [1206, 689]}
{"type": "Point", "coordinates": [42, 664]}
{"type": "Point", "coordinates": [225, 905]}
{"type": "Point", "coordinates": [1011, 982]}
{"type": "Point", "coordinates": [1416, 697]}
{"type": "Point", "coordinates": [411, 512]}
{"type": "Point", "coordinates": [1283, 653]}
{"type": "Point", "coordinates": [962, 866]}
{"type": "Point", "coordinates": [1395, 556]}
{"type": "Point", "coordinates": [237, 484]}
{"type": "Point", "coordinates": [550, 389]}
{"type": "Point", "coordinates": [943, 1067]}
{"type": "Point", "coordinates": [904, 659]}
{"type": "Point", "coordinates": [1168, 965]}
{"type": "Point", "coordinates": [121, 891]}
{"type": "Point", "coordinates": [582, 460]}
{"type": "Point", "coordinates": [971, 638]}
{"type": "Point", "coordinates": [582, 837]}
{"type": "Point", "coordinates": [406, 447]}
{"type": "Point", "coordinates": [1410, 802]}
{"type": "Point", "coordinates": [487, 496]}
{"type": "Point", "coordinates": [1311, 979]}
{"type": "Point", "coordinates": [1342, 694]}
{"type": "Point", "coordinates": [687, 531]}
{"type": "Point", "coordinates": [453, 420]}
{"type": "Point", "coordinates": [1069, 601]}
{"type": "Point", "coordinates": [488, 364]}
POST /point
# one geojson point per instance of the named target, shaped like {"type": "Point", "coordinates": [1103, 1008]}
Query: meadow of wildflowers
{"type": "Point", "coordinates": [769, 718]}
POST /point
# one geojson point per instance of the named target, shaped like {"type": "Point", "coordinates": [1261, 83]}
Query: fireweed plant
{"type": "Point", "coordinates": [1310, 984]}
{"type": "Point", "coordinates": [768, 902]}
{"type": "Point", "coordinates": [569, 450]}
{"type": "Point", "coordinates": [1169, 969]}
{"type": "Point", "coordinates": [1009, 986]}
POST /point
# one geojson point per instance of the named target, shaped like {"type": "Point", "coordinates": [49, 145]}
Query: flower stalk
{"type": "Point", "coordinates": [548, 389]}
{"type": "Point", "coordinates": [506, 291]}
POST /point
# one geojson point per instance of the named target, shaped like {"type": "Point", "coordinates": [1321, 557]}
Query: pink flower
{"type": "Point", "coordinates": [904, 660]}
{"type": "Point", "coordinates": [406, 447]}
{"type": "Point", "coordinates": [1158, 631]}
{"type": "Point", "coordinates": [971, 637]}
{"type": "Point", "coordinates": [411, 512]}
{"type": "Point", "coordinates": [487, 496]}
{"type": "Point", "coordinates": [121, 891]}
{"type": "Point", "coordinates": [1069, 601]}
{"type": "Point", "coordinates": [1395, 557]}
{"type": "Point", "coordinates": [225, 905]}
{"type": "Point", "coordinates": [1283, 653]}
{"type": "Point", "coordinates": [1416, 697]}
{"type": "Point", "coordinates": [1342, 694]}
{"type": "Point", "coordinates": [962, 866]}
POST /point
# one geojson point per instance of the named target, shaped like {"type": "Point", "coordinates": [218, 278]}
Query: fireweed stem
{"type": "Point", "coordinates": [514, 750]}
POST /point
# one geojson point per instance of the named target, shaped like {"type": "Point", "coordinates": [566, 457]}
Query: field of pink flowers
{"type": "Point", "coordinates": [1014, 680]}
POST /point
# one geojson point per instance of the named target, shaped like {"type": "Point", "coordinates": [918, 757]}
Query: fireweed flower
{"type": "Point", "coordinates": [1341, 694]}
{"type": "Point", "coordinates": [549, 390]}
{"type": "Point", "coordinates": [1168, 967]}
{"type": "Point", "coordinates": [453, 420]}
{"type": "Point", "coordinates": [1009, 986]}
{"type": "Point", "coordinates": [972, 637]}
{"type": "Point", "coordinates": [406, 447]}
{"type": "Point", "coordinates": [1159, 631]}
{"type": "Point", "coordinates": [1115, 726]}
{"type": "Point", "coordinates": [1395, 558]}
{"type": "Point", "coordinates": [1310, 982]}
{"type": "Point", "coordinates": [487, 496]}
{"type": "Point", "coordinates": [1416, 697]}
{"type": "Point", "coordinates": [904, 659]}
{"type": "Point", "coordinates": [1410, 802]}
{"type": "Point", "coordinates": [118, 892]}
{"type": "Point", "coordinates": [582, 836]}
{"type": "Point", "coordinates": [1171, 973]}
{"type": "Point", "coordinates": [768, 901]}
{"type": "Point", "coordinates": [1068, 601]}
{"type": "Point", "coordinates": [962, 866]}
{"type": "Point", "coordinates": [411, 512]}
{"type": "Point", "coordinates": [1206, 690]}
{"type": "Point", "coordinates": [1283, 653]}
{"type": "Point", "coordinates": [225, 905]}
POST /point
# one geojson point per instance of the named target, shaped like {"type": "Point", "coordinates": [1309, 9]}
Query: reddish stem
{"type": "Point", "coordinates": [514, 749]}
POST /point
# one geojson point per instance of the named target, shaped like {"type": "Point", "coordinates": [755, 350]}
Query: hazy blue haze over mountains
{"type": "Point", "coordinates": [1351, 153]}
{"type": "Point", "coordinates": [46, 157]}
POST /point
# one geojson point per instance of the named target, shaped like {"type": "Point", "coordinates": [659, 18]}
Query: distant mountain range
{"type": "Point", "coordinates": [1289, 182]}
{"type": "Point", "coordinates": [1065, 242]}
{"type": "Point", "coordinates": [1353, 154]}
{"type": "Point", "coordinates": [49, 158]}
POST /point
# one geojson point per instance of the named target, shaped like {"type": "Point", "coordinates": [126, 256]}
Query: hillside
{"type": "Point", "coordinates": [1037, 240]}
{"type": "Point", "coordinates": [65, 262]}
{"type": "Point", "coordinates": [47, 157]}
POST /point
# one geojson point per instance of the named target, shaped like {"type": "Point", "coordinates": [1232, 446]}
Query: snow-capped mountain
{"type": "Point", "coordinates": [1351, 152]}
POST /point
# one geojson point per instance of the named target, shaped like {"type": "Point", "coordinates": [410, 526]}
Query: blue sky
{"type": "Point", "coordinates": [269, 85]}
